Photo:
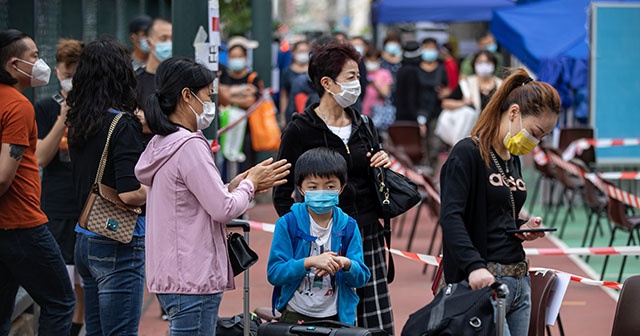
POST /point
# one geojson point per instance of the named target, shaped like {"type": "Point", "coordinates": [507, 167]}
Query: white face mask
{"type": "Point", "coordinates": [372, 66]}
{"type": "Point", "coordinates": [484, 69]}
{"type": "Point", "coordinates": [349, 94]}
{"type": "Point", "coordinates": [40, 72]}
{"type": "Point", "coordinates": [66, 85]}
{"type": "Point", "coordinates": [302, 58]}
{"type": "Point", "coordinates": [204, 119]}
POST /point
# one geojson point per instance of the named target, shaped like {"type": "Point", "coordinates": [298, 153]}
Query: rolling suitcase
{"type": "Point", "coordinates": [246, 322]}
{"type": "Point", "coordinates": [322, 328]}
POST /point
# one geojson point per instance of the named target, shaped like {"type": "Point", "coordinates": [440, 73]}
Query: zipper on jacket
{"type": "Point", "coordinates": [347, 147]}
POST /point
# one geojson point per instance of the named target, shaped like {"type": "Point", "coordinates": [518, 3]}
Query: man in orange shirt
{"type": "Point", "coordinates": [29, 255]}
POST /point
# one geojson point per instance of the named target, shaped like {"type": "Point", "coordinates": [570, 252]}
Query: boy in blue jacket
{"type": "Point", "coordinates": [316, 259]}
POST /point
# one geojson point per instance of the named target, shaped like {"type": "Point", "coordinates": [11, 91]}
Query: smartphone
{"type": "Point", "coordinates": [532, 230]}
{"type": "Point", "coordinates": [58, 98]}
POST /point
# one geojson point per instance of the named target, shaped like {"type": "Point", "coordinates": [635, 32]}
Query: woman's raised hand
{"type": "Point", "coordinates": [267, 174]}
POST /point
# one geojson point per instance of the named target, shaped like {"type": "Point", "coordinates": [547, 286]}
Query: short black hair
{"type": "Point", "coordinates": [153, 23]}
{"type": "Point", "coordinates": [11, 45]}
{"type": "Point", "coordinates": [139, 23]}
{"type": "Point", "coordinates": [430, 40]}
{"type": "Point", "coordinates": [321, 162]}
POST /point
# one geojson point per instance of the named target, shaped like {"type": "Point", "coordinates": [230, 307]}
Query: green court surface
{"type": "Point", "coordinates": [575, 229]}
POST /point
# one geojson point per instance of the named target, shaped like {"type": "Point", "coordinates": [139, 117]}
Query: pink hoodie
{"type": "Point", "coordinates": [188, 206]}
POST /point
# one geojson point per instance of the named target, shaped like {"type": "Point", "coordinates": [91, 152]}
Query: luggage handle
{"type": "Point", "coordinates": [327, 323]}
{"type": "Point", "coordinates": [240, 223]}
{"type": "Point", "coordinates": [310, 330]}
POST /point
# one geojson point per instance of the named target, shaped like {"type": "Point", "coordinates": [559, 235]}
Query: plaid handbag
{"type": "Point", "coordinates": [104, 212]}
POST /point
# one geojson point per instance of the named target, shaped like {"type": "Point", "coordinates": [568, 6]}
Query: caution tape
{"type": "Point", "coordinates": [620, 175]}
{"type": "Point", "coordinates": [542, 158]}
{"type": "Point", "coordinates": [578, 146]}
{"type": "Point", "coordinates": [580, 279]}
{"type": "Point", "coordinates": [435, 261]}
{"type": "Point", "coordinates": [611, 250]}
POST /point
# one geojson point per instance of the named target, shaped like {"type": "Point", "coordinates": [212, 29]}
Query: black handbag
{"type": "Point", "coordinates": [396, 193]}
{"type": "Point", "coordinates": [456, 310]}
{"type": "Point", "coordinates": [240, 254]}
{"type": "Point", "coordinates": [234, 325]}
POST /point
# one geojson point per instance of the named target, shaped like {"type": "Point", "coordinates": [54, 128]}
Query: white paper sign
{"type": "Point", "coordinates": [557, 295]}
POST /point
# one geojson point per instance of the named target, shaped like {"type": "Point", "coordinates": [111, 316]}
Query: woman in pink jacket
{"type": "Point", "coordinates": [188, 205]}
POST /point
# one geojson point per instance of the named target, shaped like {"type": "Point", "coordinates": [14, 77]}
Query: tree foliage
{"type": "Point", "coordinates": [235, 17]}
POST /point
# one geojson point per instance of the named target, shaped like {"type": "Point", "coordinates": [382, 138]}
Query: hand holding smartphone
{"type": "Point", "coordinates": [531, 230]}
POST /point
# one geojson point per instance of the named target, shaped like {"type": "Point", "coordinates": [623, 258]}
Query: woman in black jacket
{"type": "Point", "coordinates": [332, 123]}
{"type": "Point", "coordinates": [483, 191]}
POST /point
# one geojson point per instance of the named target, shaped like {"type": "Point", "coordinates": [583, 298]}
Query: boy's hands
{"type": "Point", "coordinates": [327, 263]}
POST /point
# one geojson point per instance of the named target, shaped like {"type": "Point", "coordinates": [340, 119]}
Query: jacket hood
{"type": "Point", "coordinates": [159, 150]}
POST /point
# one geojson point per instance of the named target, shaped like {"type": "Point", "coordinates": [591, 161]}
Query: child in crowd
{"type": "Point", "coordinates": [316, 258]}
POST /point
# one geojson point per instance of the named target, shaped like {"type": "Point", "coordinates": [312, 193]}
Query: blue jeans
{"type": "Point", "coordinates": [191, 314]}
{"type": "Point", "coordinates": [31, 258]}
{"type": "Point", "coordinates": [113, 278]}
{"type": "Point", "coordinates": [518, 305]}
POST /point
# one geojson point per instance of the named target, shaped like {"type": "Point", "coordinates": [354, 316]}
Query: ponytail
{"type": "Point", "coordinates": [156, 115]}
{"type": "Point", "coordinates": [172, 77]}
{"type": "Point", "coordinates": [533, 97]}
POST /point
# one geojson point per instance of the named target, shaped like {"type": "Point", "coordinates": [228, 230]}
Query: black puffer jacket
{"type": "Point", "coordinates": [307, 131]}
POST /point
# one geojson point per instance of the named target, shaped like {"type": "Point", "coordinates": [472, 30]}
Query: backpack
{"type": "Point", "coordinates": [296, 234]}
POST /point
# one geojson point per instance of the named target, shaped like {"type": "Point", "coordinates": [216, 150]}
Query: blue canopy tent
{"type": "Point", "coordinates": [396, 11]}
{"type": "Point", "coordinates": [550, 37]}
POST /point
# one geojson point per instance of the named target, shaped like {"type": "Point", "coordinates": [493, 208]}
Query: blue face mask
{"type": "Point", "coordinates": [164, 50]}
{"type": "Point", "coordinates": [143, 45]}
{"type": "Point", "coordinates": [393, 49]}
{"type": "Point", "coordinates": [492, 47]}
{"type": "Point", "coordinates": [236, 64]}
{"type": "Point", "coordinates": [429, 55]}
{"type": "Point", "coordinates": [321, 201]}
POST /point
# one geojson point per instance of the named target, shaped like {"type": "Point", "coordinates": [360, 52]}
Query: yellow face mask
{"type": "Point", "coordinates": [521, 143]}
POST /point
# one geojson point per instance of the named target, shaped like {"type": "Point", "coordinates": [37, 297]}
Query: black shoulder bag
{"type": "Point", "coordinates": [396, 193]}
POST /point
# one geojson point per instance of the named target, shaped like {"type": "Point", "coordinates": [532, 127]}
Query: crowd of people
{"type": "Point", "coordinates": [327, 259]}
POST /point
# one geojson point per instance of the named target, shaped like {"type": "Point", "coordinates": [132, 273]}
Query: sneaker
{"type": "Point", "coordinates": [165, 317]}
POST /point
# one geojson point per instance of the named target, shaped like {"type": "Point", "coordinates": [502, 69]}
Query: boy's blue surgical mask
{"type": "Point", "coordinates": [321, 201]}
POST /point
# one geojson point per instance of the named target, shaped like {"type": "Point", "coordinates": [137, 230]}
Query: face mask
{"type": "Point", "coordinates": [237, 64]}
{"type": "Point", "coordinates": [349, 94]}
{"type": "Point", "coordinates": [372, 66]}
{"type": "Point", "coordinates": [205, 119]}
{"type": "Point", "coordinates": [164, 50]}
{"type": "Point", "coordinates": [484, 69]}
{"type": "Point", "coordinates": [66, 84]}
{"type": "Point", "coordinates": [144, 46]}
{"type": "Point", "coordinates": [521, 143]}
{"type": "Point", "coordinates": [40, 72]}
{"type": "Point", "coordinates": [321, 201]}
{"type": "Point", "coordinates": [492, 47]}
{"type": "Point", "coordinates": [359, 50]}
{"type": "Point", "coordinates": [393, 49]}
{"type": "Point", "coordinates": [302, 58]}
{"type": "Point", "coordinates": [429, 55]}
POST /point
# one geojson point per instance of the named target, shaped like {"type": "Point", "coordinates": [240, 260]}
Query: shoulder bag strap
{"type": "Point", "coordinates": [105, 151]}
{"type": "Point", "coordinates": [375, 144]}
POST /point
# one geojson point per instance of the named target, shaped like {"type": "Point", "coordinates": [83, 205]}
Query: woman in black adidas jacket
{"type": "Point", "coordinates": [332, 123]}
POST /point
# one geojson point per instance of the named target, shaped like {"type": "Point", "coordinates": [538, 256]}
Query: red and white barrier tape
{"type": "Point", "coordinates": [615, 193]}
{"type": "Point", "coordinates": [611, 250]}
{"type": "Point", "coordinates": [620, 175]}
{"type": "Point", "coordinates": [577, 146]}
{"type": "Point", "coordinates": [435, 261]}
{"type": "Point", "coordinates": [580, 279]}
